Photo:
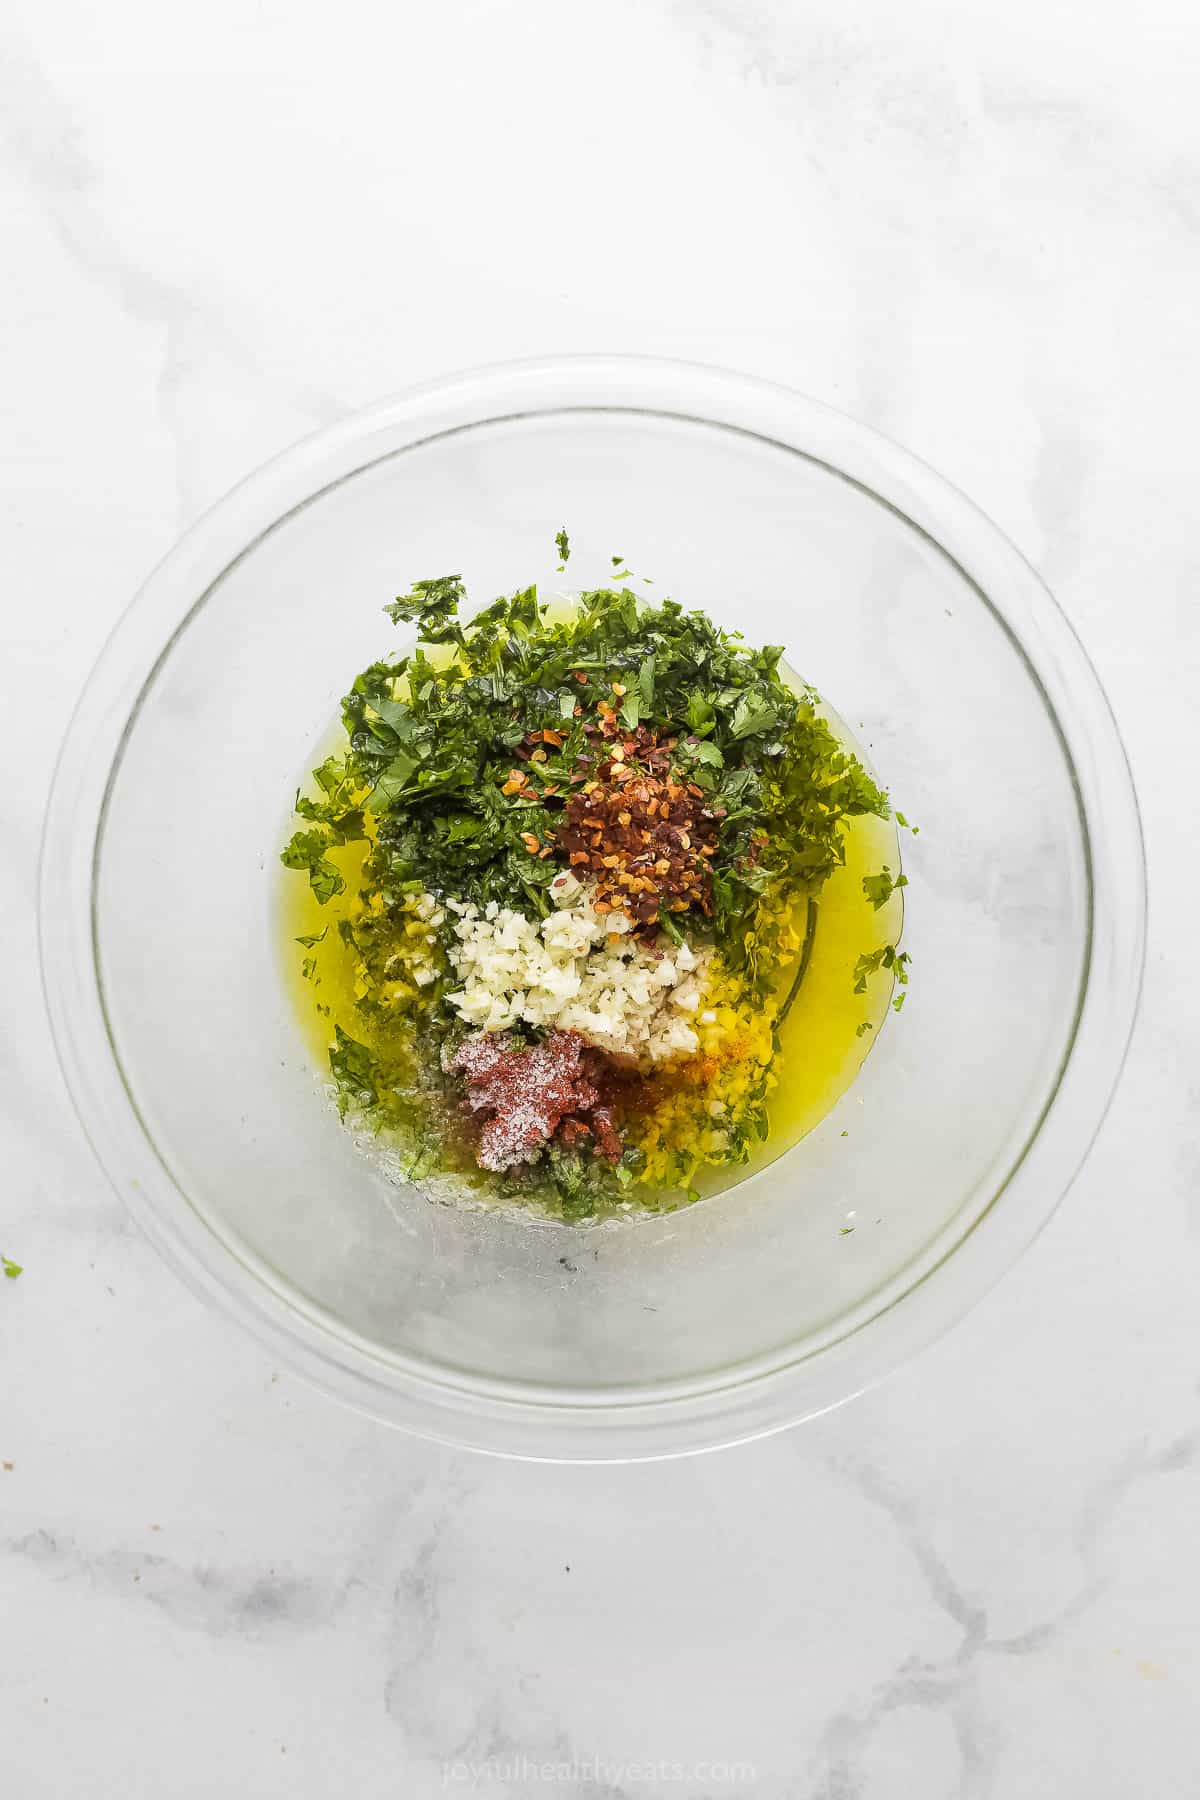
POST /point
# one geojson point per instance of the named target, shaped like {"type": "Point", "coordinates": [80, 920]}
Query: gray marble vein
{"type": "Point", "coordinates": [949, 1684]}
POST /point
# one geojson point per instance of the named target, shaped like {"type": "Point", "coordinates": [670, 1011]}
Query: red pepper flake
{"type": "Point", "coordinates": [646, 839]}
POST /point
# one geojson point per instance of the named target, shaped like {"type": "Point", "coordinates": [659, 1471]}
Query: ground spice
{"type": "Point", "coordinates": [531, 1092]}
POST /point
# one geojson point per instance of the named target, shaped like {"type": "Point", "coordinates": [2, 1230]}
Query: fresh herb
{"type": "Point", "coordinates": [564, 547]}
{"type": "Point", "coordinates": [888, 956]}
{"type": "Point", "coordinates": [752, 716]}
{"type": "Point", "coordinates": [307, 850]}
{"type": "Point", "coordinates": [435, 603]}
{"type": "Point", "coordinates": [11, 1269]}
{"type": "Point", "coordinates": [315, 938]}
{"type": "Point", "coordinates": [392, 781]}
{"type": "Point", "coordinates": [355, 1069]}
{"type": "Point", "coordinates": [880, 888]}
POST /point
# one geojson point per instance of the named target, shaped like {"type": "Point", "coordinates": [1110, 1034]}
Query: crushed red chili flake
{"type": "Point", "coordinates": [646, 838]}
{"type": "Point", "coordinates": [531, 1092]}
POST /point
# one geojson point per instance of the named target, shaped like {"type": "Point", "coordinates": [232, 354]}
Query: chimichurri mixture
{"type": "Point", "coordinates": [597, 909]}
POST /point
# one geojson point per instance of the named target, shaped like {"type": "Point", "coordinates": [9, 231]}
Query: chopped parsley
{"type": "Point", "coordinates": [887, 957]}
{"type": "Point", "coordinates": [307, 850]}
{"type": "Point", "coordinates": [880, 888]}
{"type": "Point", "coordinates": [11, 1269]}
{"type": "Point", "coordinates": [354, 1068]}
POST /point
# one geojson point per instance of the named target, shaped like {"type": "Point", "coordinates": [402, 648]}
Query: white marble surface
{"type": "Point", "coordinates": [977, 227]}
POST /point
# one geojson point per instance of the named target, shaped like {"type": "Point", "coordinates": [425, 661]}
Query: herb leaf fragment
{"type": "Point", "coordinates": [880, 888]}
{"type": "Point", "coordinates": [888, 956]}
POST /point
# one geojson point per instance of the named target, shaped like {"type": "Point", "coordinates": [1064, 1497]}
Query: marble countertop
{"type": "Point", "coordinates": [977, 228]}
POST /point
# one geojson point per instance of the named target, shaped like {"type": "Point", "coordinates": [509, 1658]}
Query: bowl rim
{"type": "Point", "coordinates": [681, 1416]}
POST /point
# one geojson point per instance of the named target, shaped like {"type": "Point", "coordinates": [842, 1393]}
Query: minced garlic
{"type": "Point", "coordinates": [576, 970]}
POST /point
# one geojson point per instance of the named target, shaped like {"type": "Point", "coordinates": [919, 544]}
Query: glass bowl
{"type": "Point", "coordinates": [813, 1277]}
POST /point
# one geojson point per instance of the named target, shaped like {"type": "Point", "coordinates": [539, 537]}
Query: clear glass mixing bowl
{"type": "Point", "coordinates": [1025, 914]}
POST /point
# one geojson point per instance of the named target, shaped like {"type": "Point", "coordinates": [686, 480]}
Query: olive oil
{"type": "Point", "coordinates": [823, 1042]}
